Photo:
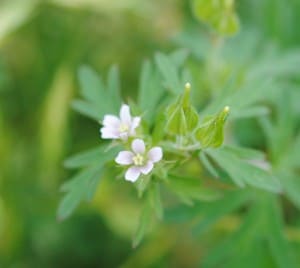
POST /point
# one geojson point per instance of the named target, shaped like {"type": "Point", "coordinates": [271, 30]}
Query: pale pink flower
{"type": "Point", "coordinates": [119, 128]}
{"type": "Point", "coordinates": [140, 160]}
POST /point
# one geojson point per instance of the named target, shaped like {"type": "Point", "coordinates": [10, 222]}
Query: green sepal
{"type": "Point", "coordinates": [182, 117]}
{"type": "Point", "coordinates": [210, 133]}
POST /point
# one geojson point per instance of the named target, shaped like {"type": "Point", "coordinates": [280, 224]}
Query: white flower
{"type": "Point", "coordinates": [140, 160]}
{"type": "Point", "coordinates": [119, 128]}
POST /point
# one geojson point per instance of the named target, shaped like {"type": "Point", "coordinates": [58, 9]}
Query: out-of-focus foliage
{"type": "Point", "coordinates": [43, 45]}
{"type": "Point", "coordinates": [219, 14]}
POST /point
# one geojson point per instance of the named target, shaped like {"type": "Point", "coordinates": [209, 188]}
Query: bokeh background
{"type": "Point", "coordinates": [42, 45]}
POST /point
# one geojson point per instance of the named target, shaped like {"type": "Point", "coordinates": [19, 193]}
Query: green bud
{"type": "Point", "coordinates": [210, 133]}
{"type": "Point", "coordinates": [182, 117]}
{"type": "Point", "coordinates": [219, 14]}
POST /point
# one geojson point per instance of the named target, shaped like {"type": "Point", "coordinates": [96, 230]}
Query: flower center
{"type": "Point", "coordinates": [138, 160]}
{"type": "Point", "coordinates": [123, 128]}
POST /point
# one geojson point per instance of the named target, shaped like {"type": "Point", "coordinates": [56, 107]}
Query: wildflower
{"type": "Point", "coordinates": [141, 161]}
{"type": "Point", "coordinates": [119, 128]}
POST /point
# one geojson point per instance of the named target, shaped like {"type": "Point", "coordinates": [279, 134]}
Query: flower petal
{"type": "Point", "coordinates": [155, 154]}
{"type": "Point", "coordinates": [124, 158]}
{"type": "Point", "coordinates": [138, 146]}
{"type": "Point", "coordinates": [125, 114]}
{"type": "Point", "coordinates": [109, 133]}
{"type": "Point", "coordinates": [147, 168]}
{"type": "Point", "coordinates": [135, 122]}
{"type": "Point", "coordinates": [111, 121]}
{"type": "Point", "coordinates": [132, 174]}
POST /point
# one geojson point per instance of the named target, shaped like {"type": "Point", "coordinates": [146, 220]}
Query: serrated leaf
{"type": "Point", "coordinates": [98, 100]}
{"type": "Point", "coordinates": [78, 188]}
{"type": "Point", "coordinates": [85, 158]}
{"type": "Point", "coordinates": [91, 85]}
{"type": "Point", "coordinates": [169, 72]}
{"type": "Point", "coordinates": [99, 155]}
{"type": "Point", "coordinates": [84, 184]}
{"type": "Point", "coordinates": [242, 172]}
{"type": "Point", "coordinates": [87, 109]}
{"type": "Point", "coordinates": [149, 90]}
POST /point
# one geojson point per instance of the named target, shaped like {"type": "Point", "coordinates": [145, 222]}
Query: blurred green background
{"type": "Point", "coordinates": [42, 45]}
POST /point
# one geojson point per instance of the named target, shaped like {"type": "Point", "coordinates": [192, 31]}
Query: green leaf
{"type": "Point", "coordinates": [208, 165]}
{"type": "Point", "coordinates": [279, 246]}
{"type": "Point", "coordinates": [291, 184]}
{"type": "Point", "coordinates": [91, 85]}
{"type": "Point", "coordinates": [179, 57]}
{"type": "Point", "coordinates": [280, 65]}
{"type": "Point", "coordinates": [242, 238]}
{"type": "Point", "coordinates": [169, 73]}
{"type": "Point", "coordinates": [242, 172]}
{"type": "Point", "coordinates": [243, 99]}
{"type": "Point", "coordinates": [150, 92]}
{"type": "Point", "coordinates": [155, 200]}
{"type": "Point", "coordinates": [99, 155]}
{"type": "Point", "coordinates": [245, 153]}
{"type": "Point", "coordinates": [214, 211]}
{"type": "Point", "coordinates": [98, 100]}
{"type": "Point", "coordinates": [80, 187]}
{"type": "Point", "coordinates": [143, 226]}
{"type": "Point", "coordinates": [189, 189]}
{"type": "Point", "coordinates": [87, 109]}
{"type": "Point", "coordinates": [210, 133]}
{"type": "Point", "coordinates": [84, 184]}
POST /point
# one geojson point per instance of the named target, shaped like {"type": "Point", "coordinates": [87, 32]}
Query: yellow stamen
{"type": "Point", "coordinates": [138, 160]}
{"type": "Point", "coordinates": [123, 128]}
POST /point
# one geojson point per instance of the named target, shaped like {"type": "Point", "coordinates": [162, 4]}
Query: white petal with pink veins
{"type": "Point", "coordinates": [147, 168]}
{"type": "Point", "coordinates": [125, 114]}
{"type": "Point", "coordinates": [111, 121]}
{"type": "Point", "coordinates": [155, 154]}
{"type": "Point", "coordinates": [132, 174]}
{"type": "Point", "coordinates": [124, 158]}
{"type": "Point", "coordinates": [109, 133]}
{"type": "Point", "coordinates": [135, 122]}
{"type": "Point", "coordinates": [138, 146]}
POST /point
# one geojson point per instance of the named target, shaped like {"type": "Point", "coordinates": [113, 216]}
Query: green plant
{"type": "Point", "coordinates": [202, 179]}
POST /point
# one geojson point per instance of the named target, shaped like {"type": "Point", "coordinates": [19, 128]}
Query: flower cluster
{"type": "Point", "coordinates": [140, 160]}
